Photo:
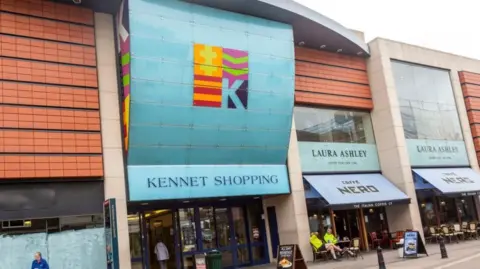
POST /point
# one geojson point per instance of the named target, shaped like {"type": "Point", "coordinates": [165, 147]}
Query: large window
{"type": "Point", "coordinates": [426, 102]}
{"type": "Point", "coordinates": [330, 125]}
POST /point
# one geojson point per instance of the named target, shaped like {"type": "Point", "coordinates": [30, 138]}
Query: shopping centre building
{"type": "Point", "coordinates": [214, 125]}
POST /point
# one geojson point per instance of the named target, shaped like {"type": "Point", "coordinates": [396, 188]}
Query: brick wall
{"type": "Point", "coordinates": [331, 79]}
{"type": "Point", "coordinates": [471, 92]}
{"type": "Point", "coordinates": [49, 107]}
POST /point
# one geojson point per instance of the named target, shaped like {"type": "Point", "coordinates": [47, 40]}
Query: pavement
{"type": "Point", "coordinates": [464, 255]}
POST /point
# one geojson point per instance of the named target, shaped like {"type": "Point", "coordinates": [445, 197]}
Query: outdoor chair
{"type": "Point", "coordinates": [472, 230]}
{"type": "Point", "coordinates": [446, 232]}
{"type": "Point", "coordinates": [398, 237]}
{"type": "Point", "coordinates": [457, 231]}
{"type": "Point", "coordinates": [375, 240]}
{"type": "Point", "coordinates": [464, 227]}
{"type": "Point", "coordinates": [320, 254]}
{"type": "Point", "coordinates": [434, 234]}
{"type": "Point", "coordinates": [355, 247]}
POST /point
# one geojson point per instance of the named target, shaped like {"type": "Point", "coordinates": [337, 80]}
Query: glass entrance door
{"type": "Point", "coordinates": [203, 229]}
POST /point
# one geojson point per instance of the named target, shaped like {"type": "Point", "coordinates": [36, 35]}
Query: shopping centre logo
{"type": "Point", "coordinates": [212, 67]}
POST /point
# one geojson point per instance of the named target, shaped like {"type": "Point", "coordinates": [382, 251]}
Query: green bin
{"type": "Point", "coordinates": [214, 260]}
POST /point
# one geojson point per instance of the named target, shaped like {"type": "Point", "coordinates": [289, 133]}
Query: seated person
{"type": "Point", "coordinates": [330, 239]}
{"type": "Point", "coordinates": [318, 245]}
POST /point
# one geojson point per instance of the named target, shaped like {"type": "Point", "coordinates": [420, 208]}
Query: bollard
{"type": "Point", "coordinates": [443, 249]}
{"type": "Point", "coordinates": [381, 261]}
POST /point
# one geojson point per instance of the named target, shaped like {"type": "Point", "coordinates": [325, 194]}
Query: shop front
{"type": "Point", "coordinates": [208, 121]}
{"type": "Point", "coordinates": [344, 188]}
{"type": "Point", "coordinates": [192, 215]}
{"type": "Point", "coordinates": [445, 184]}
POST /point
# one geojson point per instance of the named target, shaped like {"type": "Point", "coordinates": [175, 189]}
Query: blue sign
{"type": "Point", "coordinates": [410, 244]}
{"type": "Point", "coordinates": [111, 235]}
{"type": "Point", "coordinates": [168, 182]}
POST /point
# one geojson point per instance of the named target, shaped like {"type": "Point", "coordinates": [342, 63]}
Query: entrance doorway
{"type": "Point", "coordinates": [160, 228]}
{"type": "Point", "coordinates": [235, 231]}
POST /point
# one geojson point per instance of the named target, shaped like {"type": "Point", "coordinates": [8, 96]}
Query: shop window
{"type": "Point", "coordinates": [333, 125]}
{"type": "Point", "coordinates": [427, 103]}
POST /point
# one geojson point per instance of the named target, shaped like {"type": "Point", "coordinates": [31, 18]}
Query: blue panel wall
{"type": "Point", "coordinates": [165, 127]}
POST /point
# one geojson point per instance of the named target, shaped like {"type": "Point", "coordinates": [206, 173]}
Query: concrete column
{"type": "Point", "coordinates": [291, 210]}
{"type": "Point", "coordinates": [114, 177]}
{"type": "Point", "coordinates": [390, 138]}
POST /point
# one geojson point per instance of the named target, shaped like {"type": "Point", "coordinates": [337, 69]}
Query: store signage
{"type": "Point", "coordinates": [436, 152]}
{"type": "Point", "coordinates": [413, 245]}
{"type": "Point", "coordinates": [336, 157]}
{"type": "Point", "coordinates": [165, 182]}
{"type": "Point", "coordinates": [111, 236]}
{"type": "Point", "coordinates": [291, 257]}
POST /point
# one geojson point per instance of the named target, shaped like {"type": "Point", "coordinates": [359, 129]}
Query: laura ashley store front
{"type": "Point", "coordinates": [344, 187]}
{"type": "Point", "coordinates": [447, 188]}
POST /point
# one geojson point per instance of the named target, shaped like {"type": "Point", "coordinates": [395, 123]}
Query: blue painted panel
{"type": "Point", "coordinates": [166, 182]}
{"type": "Point", "coordinates": [165, 127]}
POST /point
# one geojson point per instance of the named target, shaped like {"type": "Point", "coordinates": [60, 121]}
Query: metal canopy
{"type": "Point", "coordinates": [311, 28]}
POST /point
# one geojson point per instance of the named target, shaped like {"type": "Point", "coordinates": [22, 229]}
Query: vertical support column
{"type": "Point", "coordinates": [332, 217]}
{"type": "Point", "coordinates": [363, 229]}
{"type": "Point", "coordinates": [114, 179]}
{"type": "Point", "coordinates": [291, 210]}
{"type": "Point", "coordinates": [390, 138]}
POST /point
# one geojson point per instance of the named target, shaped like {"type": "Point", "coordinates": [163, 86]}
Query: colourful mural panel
{"type": "Point", "coordinates": [124, 42]}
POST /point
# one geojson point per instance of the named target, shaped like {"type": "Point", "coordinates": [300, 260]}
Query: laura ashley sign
{"type": "Point", "coordinates": [436, 152]}
{"type": "Point", "coordinates": [335, 157]}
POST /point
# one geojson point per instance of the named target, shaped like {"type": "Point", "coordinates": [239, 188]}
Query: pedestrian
{"type": "Point", "coordinates": [162, 254]}
{"type": "Point", "coordinates": [39, 262]}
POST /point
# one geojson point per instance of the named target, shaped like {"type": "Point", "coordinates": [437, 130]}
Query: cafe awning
{"type": "Point", "coordinates": [451, 181]}
{"type": "Point", "coordinates": [357, 190]}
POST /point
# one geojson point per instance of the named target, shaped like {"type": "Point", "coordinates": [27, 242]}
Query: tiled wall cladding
{"type": "Point", "coordinates": [49, 107]}
{"type": "Point", "coordinates": [471, 92]}
{"type": "Point", "coordinates": [329, 79]}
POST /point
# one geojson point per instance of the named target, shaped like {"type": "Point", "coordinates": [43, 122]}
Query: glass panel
{"type": "Point", "coordinates": [188, 237]}
{"type": "Point", "coordinates": [188, 262]}
{"type": "Point", "coordinates": [258, 254]}
{"type": "Point", "coordinates": [255, 219]}
{"type": "Point", "coordinates": [467, 209]}
{"type": "Point", "coordinates": [330, 125]}
{"type": "Point", "coordinates": [227, 258]}
{"type": "Point", "coordinates": [222, 227]}
{"type": "Point", "coordinates": [427, 212]}
{"type": "Point", "coordinates": [448, 210]}
{"type": "Point", "coordinates": [242, 254]}
{"type": "Point", "coordinates": [207, 224]}
{"type": "Point", "coordinates": [426, 102]}
{"type": "Point", "coordinates": [134, 236]}
{"type": "Point", "coordinates": [239, 225]}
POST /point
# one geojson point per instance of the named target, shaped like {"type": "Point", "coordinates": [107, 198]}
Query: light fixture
{"type": "Point", "coordinates": [186, 202]}
{"type": "Point", "coordinates": [423, 205]}
{"type": "Point", "coordinates": [463, 201]}
{"type": "Point", "coordinates": [301, 43]}
{"type": "Point", "coordinates": [144, 204]}
{"type": "Point", "coordinates": [339, 50]}
{"type": "Point", "coordinates": [370, 210]}
{"type": "Point", "coordinates": [360, 53]}
{"type": "Point", "coordinates": [256, 197]}
{"type": "Point", "coordinates": [442, 203]}
{"type": "Point", "coordinates": [315, 216]}
{"type": "Point", "coordinates": [223, 199]}
{"type": "Point", "coordinates": [323, 46]}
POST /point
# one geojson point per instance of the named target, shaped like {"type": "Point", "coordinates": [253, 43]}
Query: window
{"type": "Point", "coordinates": [329, 125]}
{"type": "Point", "coordinates": [426, 102]}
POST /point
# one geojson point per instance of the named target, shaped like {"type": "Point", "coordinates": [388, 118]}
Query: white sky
{"type": "Point", "coordinates": [446, 25]}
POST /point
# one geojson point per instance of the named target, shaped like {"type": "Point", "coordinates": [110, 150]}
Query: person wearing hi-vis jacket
{"type": "Point", "coordinates": [330, 239]}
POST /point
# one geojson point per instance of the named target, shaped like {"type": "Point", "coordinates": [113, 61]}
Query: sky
{"type": "Point", "coordinates": [446, 25]}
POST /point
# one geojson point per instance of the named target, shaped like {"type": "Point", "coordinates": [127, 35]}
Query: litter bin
{"type": "Point", "coordinates": [214, 259]}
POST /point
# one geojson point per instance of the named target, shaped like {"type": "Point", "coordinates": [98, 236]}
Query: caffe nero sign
{"type": "Point", "coordinates": [335, 157]}
{"type": "Point", "coordinates": [165, 182]}
{"type": "Point", "coordinates": [436, 152]}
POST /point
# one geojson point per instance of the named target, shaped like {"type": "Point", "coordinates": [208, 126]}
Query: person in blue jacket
{"type": "Point", "coordinates": [39, 262]}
